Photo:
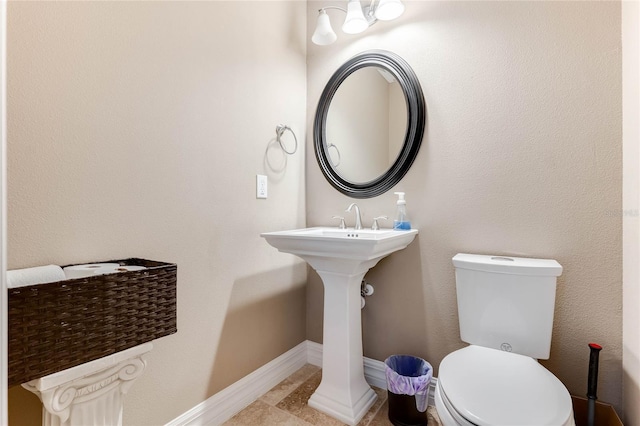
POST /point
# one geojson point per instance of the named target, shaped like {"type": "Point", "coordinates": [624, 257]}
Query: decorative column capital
{"type": "Point", "coordinates": [96, 387]}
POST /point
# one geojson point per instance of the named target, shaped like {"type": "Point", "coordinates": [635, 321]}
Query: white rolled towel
{"type": "Point", "coordinates": [127, 268]}
{"type": "Point", "coordinates": [89, 269]}
{"type": "Point", "coordinates": [37, 275]}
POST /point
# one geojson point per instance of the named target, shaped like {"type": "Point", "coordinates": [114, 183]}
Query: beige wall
{"type": "Point", "coordinates": [631, 207]}
{"type": "Point", "coordinates": [521, 156]}
{"type": "Point", "coordinates": [137, 129]}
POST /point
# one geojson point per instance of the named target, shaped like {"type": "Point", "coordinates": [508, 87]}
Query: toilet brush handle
{"type": "Point", "coordinates": [592, 385]}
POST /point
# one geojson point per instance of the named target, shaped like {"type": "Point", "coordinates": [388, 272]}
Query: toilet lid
{"type": "Point", "coordinates": [491, 387]}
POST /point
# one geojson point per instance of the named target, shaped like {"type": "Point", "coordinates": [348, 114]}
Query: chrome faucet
{"type": "Point", "coordinates": [358, 217]}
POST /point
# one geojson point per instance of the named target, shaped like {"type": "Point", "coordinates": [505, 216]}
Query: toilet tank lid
{"type": "Point", "coordinates": [507, 264]}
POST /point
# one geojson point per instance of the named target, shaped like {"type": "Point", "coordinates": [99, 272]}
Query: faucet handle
{"type": "Point", "coordinates": [342, 225]}
{"type": "Point", "coordinates": [375, 226]}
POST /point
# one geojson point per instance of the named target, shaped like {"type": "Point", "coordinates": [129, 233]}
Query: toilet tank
{"type": "Point", "coordinates": [507, 303]}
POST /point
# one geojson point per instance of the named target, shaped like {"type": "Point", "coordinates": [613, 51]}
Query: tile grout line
{"type": "Point", "coordinates": [301, 420]}
{"type": "Point", "coordinates": [294, 416]}
{"type": "Point", "coordinates": [303, 380]}
{"type": "Point", "coordinates": [374, 414]}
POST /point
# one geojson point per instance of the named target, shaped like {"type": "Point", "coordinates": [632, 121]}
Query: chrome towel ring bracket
{"type": "Point", "coordinates": [280, 129]}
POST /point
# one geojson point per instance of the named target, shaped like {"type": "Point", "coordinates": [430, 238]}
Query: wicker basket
{"type": "Point", "coordinates": [59, 325]}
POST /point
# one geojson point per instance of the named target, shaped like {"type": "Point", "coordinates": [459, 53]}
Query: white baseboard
{"type": "Point", "coordinates": [233, 399]}
{"type": "Point", "coordinates": [314, 353]}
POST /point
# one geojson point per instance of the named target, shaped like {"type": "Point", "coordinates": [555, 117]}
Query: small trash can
{"type": "Point", "coordinates": [408, 379]}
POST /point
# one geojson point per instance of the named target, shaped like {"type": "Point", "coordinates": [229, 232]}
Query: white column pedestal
{"type": "Point", "coordinates": [341, 258]}
{"type": "Point", "coordinates": [90, 393]}
{"type": "Point", "coordinates": [343, 393]}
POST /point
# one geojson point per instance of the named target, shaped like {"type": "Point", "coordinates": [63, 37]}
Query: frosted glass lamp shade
{"type": "Point", "coordinates": [389, 9]}
{"type": "Point", "coordinates": [355, 21]}
{"type": "Point", "coordinates": [323, 35]}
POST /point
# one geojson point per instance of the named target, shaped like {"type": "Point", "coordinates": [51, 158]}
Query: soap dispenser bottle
{"type": "Point", "coordinates": [401, 221]}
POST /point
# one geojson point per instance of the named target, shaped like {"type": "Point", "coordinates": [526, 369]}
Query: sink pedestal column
{"type": "Point", "coordinates": [341, 257]}
{"type": "Point", "coordinates": [90, 393]}
{"type": "Point", "coordinates": [343, 393]}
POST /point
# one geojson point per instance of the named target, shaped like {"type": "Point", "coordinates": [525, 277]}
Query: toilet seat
{"type": "Point", "coordinates": [447, 413]}
{"type": "Point", "coordinates": [489, 387]}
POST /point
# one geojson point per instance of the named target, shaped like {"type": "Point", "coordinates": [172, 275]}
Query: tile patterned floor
{"type": "Point", "coordinates": [286, 405]}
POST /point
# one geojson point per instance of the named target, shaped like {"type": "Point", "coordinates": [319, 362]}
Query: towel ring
{"type": "Point", "coordinates": [280, 129]}
{"type": "Point", "coordinates": [337, 152]}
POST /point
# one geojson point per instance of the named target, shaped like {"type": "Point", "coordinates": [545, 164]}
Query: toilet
{"type": "Point", "coordinates": [505, 309]}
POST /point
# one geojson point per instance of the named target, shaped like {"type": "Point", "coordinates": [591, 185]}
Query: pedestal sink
{"type": "Point", "coordinates": [341, 257]}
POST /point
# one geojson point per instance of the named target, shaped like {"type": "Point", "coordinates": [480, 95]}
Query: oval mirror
{"type": "Point", "coordinates": [369, 124]}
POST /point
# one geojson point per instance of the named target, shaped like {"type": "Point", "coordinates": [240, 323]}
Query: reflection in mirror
{"type": "Point", "coordinates": [366, 123]}
{"type": "Point", "coordinates": [369, 124]}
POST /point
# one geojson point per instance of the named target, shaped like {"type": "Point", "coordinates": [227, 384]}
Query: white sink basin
{"type": "Point", "coordinates": [364, 244]}
{"type": "Point", "coordinates": [342, 257]}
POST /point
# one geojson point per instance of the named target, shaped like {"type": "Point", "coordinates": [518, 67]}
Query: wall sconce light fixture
{"type": "Point", "coordinates": [357, 19]}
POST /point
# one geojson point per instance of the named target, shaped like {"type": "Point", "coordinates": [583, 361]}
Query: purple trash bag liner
{"type": "Point", "coordinates": [409, 375]}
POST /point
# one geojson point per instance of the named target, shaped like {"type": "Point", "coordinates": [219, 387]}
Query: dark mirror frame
{"type": "Point", "coordinates": [416, 117]}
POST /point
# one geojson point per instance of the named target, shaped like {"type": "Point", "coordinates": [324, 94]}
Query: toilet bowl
{"type": "Point", "coordinates": [505, 311]}
{"type": "Point", "coordinates": [484, 386]}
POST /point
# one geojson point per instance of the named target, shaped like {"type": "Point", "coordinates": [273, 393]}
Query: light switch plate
{"type": "Point", "coordinates": [261, 186]}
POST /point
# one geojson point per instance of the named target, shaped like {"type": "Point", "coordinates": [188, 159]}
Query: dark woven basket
{"type": "Point", "coordinates": [59, 325]}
